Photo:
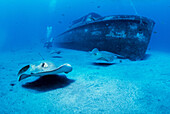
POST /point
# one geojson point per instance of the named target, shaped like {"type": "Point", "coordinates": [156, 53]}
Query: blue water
{"type": "Point", "coordinates": [24, 22]}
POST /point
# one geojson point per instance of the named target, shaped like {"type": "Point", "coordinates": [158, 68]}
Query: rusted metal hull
{"type": "Point", "coordinates": [125, 35]}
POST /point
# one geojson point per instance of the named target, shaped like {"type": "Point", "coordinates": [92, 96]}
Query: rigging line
{"type": "Point", "coordinates": [133, 6]}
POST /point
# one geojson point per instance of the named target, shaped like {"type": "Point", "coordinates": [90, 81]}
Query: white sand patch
{"type": "Point", "coordinates": [130, 86]}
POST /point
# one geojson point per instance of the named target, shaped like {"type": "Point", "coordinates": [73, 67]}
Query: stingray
{"type": "Point", "coordinates": [41, 69]}
{"type": "Point", "coordinates": [105, 57]}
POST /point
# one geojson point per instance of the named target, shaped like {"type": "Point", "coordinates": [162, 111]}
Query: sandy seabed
{"type": "Point", "coordinates": [123, 87]}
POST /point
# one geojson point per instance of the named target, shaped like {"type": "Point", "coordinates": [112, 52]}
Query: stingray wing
{"type": "Point", "coordinates": [23, 76]}
{"type": "Point", "coordinates": [25, 68]}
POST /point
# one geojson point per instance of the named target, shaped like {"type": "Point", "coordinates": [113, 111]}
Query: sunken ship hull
{"type": "Point", "coordinates": [126, 35]}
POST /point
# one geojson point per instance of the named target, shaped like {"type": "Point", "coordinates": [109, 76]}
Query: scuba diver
{"type": "Point", "coordinates": [48, 43]}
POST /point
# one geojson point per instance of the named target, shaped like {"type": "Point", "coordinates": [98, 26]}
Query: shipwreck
{"type": "Point", "coordinates": [126, 35]}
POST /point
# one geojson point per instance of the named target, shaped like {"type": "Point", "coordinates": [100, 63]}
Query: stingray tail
{"type": "Point", "coordinates": [23, 76]}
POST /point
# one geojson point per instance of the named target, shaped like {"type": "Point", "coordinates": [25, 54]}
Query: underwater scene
{"type": "Point", "coordinates": [84, 56]}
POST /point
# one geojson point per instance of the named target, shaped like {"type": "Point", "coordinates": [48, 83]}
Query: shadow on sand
{"type": "Point", "coordinates": [48, 82]}
{"type": "Point", "coordinates": [103, 64]}
{"type": "Point", "coordinates": [146, 56]}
